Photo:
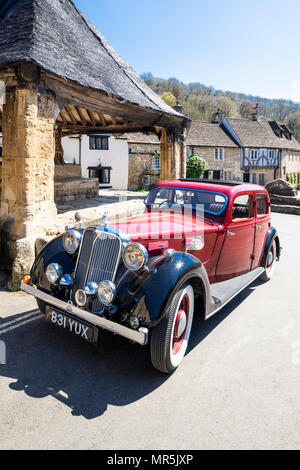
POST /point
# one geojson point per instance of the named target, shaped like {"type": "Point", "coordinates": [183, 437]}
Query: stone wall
{"type": "Point", "coordinates": [140, 165]}
{"type": "Point", "coordinates": [67, 171]}
{"type": "Point", "coordinates": [72, 189]}
{"type": "Point", "coordinates": [231, 162]}
{"type": "Point", "coordinates": [290, 162]}
{"type": "Point", "coordinates": [269, 174]}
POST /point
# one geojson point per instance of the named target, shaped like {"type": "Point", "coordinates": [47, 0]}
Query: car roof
{"type": "Point", "coordinates": [229, 188]}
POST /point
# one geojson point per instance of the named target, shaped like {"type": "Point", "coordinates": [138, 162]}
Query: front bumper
{"type": "Point", "coordinates": [140, 336]}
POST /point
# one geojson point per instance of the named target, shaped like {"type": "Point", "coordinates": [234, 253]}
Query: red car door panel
{"type": "Point", "coordinates": [237, 252]}
{"type": "Point", "coordinates": [263, 217]}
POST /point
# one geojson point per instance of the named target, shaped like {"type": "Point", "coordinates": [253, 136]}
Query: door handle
{"type": "Point", "coordinates": [259, 227]}
{"type": "Point", "coordinates": [231, 234]}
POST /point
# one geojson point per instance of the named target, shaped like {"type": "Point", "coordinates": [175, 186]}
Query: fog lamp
{"type": "Point", "coordinates": [54, 273]}
{"type": "Point", "coordinates": [106, 292]}
{"type": "Point", "coordinates": [80, 298]}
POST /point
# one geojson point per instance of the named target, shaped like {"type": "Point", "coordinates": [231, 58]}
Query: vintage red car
{"type": "Point", "coordinates": [198, 245]}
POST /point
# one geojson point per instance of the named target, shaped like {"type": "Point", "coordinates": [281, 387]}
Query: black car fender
{"type": "Point", "coordinates": [154, 295]}
{"type": "Point", "coordinates": [53, 252]}
{"type": "Point", "coordinates": [272, 235]}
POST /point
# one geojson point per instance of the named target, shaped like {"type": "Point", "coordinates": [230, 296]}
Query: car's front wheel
{"type": "Point", "coordinates": [170, 338]}
{"type": "Point", "coordinates": [270, 263]}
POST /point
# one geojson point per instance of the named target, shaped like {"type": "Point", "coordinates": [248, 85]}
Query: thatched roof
{"type": "Point", "coordinates": [55, 35]}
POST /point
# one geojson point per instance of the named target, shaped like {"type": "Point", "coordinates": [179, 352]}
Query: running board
{"type": "Point", "coordinates": [223, 292]}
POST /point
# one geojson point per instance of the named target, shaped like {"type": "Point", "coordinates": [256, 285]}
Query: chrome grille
{"type": "Point", "coordinates": [84, 258]}
{"type": "Point", "coordinates": [98, 261]}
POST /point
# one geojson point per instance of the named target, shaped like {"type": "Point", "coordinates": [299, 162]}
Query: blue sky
{"type": "Point", "coordinates": [250, 46]}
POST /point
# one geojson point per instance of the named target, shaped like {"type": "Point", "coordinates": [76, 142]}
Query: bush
{"type": "Point", "coordinates": [293, 178]}
{"type": "Point", "coordinates": [195, 167]}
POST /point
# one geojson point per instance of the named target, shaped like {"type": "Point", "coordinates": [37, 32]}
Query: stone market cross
{"type": "Point", "coordinates": [62, 77]}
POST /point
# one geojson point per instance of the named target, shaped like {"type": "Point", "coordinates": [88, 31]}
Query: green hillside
{"type": "Point", "coordinates": [201, 102]}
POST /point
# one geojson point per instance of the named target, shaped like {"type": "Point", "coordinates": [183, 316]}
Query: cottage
{"type": "Point", "coordinates": [211, 141]}
{"type": "Point", "coordinates": [256, 150]}
{"type": "Point", "coordinates": [269, 149]}
{"type": "Point", "coordinates": [129, 160]}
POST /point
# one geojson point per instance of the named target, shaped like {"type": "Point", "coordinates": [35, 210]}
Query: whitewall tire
{"type": "Point", "coordinates": [169, 340]}
{"type": "Point", "coordinates": [270, 263]}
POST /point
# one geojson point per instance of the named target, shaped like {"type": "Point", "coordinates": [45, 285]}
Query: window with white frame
{"type": "Point", "coordinates": [98, 142]}
{"type": "Point", "coordinates": [272, 154]}
{"type": "Point", "coordinates": [253, 154]}
{"type": "Point", "coordinates": [156, 162]}
{"type": "Point", "coordinates": [219, 155]}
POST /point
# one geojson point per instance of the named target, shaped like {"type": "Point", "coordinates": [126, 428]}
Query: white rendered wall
{"type": "Point", "coordinates": [71, 149]}
{"type": "Point", "coordinates": [116, 157]}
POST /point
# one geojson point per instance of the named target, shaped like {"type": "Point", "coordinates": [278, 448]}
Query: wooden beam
{"type": "Point", "coordinates": [69, 92]}
{"type": "Point", "coordinates": [70, 113]}
{"type": "Point", "coordinates": [91, 117]}
{"type": "Point", "coordinates": [81, 115]}
{"type": "Point", "coordinates": [102, 120]}
{"type": "Point", "coordinates": [133, 127]}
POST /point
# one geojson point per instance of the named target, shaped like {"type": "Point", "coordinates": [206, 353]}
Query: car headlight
{"type": "Point", "coordinates": [106, 292]}
{"type": "Point", "coordinates": [135, 256]}
{"type": "Point", "coordinates": [81, 298]}
{"type": "Point", "coordinates": [72, 240]}
{"type": "Point", "coordinates": [54, 272]}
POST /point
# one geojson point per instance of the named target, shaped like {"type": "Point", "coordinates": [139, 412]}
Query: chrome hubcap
{"type": "Point", "coordinates": [270, 258]}
{"type": "Point", "coordinates": [181, 323]}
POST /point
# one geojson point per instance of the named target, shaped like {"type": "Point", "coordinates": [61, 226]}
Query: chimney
{"type": "Point", "coordinates": [218, 117]}
{"type": "Point", "coordinates": [255, 114]}
{"type": "Point", "coordinates": [178, 108]}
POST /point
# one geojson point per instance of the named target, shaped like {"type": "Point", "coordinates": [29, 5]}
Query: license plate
{"type": "Point", "coordinates": [84, 331]}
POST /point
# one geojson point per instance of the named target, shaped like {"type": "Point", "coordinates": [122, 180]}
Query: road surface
{"type": "Point", "coordinates": [238, 387]}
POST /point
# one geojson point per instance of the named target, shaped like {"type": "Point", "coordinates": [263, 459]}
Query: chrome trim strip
{"type": "Point", "coordinates": [140, 337]}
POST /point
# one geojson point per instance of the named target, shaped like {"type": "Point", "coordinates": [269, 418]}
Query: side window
{"type": "Point", "coordinates": [262, 204]}
{"type": "Point", "coordinates": [242, 207]}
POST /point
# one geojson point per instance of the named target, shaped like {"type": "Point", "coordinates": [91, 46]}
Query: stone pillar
{"type": "Point", "coordinates": [27, 205]}
{"type": "Point", "coordinates": [59, 151]}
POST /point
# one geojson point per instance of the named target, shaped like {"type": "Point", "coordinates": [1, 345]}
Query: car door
{"type": "Point", "coordinates": [262, 224]}
{"type": "Point", "coordinates": [237, 252]}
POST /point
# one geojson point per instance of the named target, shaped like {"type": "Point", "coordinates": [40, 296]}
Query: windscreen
{"type": "Point", "coordinates": [212, 202]}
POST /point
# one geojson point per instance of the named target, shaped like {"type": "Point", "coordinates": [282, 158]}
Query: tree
{"type": "Point", "coordinates": [169, 99]}
{"type": "Point", "coordinates": [293, 123]}
{"type": "Point", "coordinates": [246, 109]}
{"type": "Point", "coordinates": [227, 106]}
{"type": "Point", "coordinates": [201, 107]}
{"type": "Point", "coordinates": [195, 167]}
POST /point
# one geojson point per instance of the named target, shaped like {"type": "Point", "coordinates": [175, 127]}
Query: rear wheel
{"type": "Point", "coordinates": [270, 263]}
{"type": "Point", "coordinates": [170, 338]}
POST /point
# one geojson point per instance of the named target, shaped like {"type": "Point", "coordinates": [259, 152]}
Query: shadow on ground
{"type": "Point", "coordinates": [46, 361]}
